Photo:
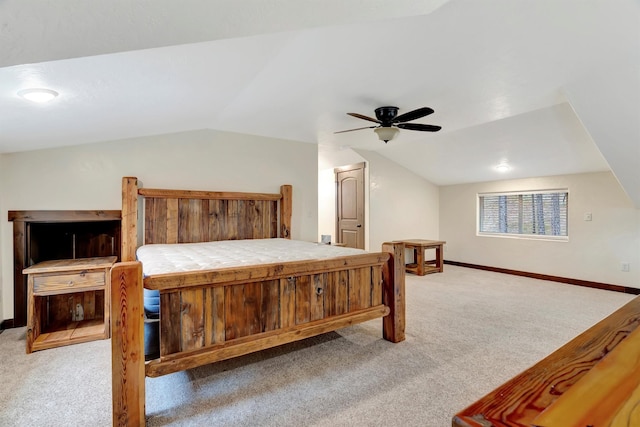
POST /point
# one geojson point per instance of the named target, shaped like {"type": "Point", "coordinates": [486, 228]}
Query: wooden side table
{"type": "Point", "coordinates": [420, 266]}
{"type": "Point", "coordinates": [68, 301]}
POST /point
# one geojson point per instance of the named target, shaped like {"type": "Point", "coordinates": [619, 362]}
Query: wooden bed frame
{"type": "Point", "coordinates": [213, 315]}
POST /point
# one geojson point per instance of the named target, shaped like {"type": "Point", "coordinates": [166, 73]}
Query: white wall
{"type": "Point", "coordinates": [402, 204]}
{"type": "Point", "coordinates": [89, 177]}
{"type": "Point", "coordinates": [593, 252]}
{"type": "Point", "coordinates": [398, 203]}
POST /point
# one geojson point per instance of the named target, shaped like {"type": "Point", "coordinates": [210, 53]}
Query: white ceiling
{"type": "Point", "coordinates": [551, 86]}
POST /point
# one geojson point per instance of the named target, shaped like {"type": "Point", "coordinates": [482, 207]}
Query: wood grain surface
{"type": "Point", "coordinates": [520, 400]}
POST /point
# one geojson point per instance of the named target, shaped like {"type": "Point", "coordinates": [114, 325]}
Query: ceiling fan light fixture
{"type": "Point", "coordinates": [386, 134]}
{"type": "Point", "coordinates": [39, 95]}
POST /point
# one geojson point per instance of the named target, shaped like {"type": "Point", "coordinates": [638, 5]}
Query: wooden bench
{"type": "Point", "coordinates": [419, 265]}
{"type": "Point", "coordinates": [594, 379]}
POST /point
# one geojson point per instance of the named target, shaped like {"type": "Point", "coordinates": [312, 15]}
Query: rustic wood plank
{"type": "Point", "coordinates": [20, 261]}
{"type": "Point", "coordinates": [129, 218]}
{"type": "Point", "coordinates": [252, 306]}
{"type": "Point", "coordinates": [149, 220]}
{"type": "Point", "coordinates": [336, 293]}
{"type": "Point", "coordinates": [219, 318]}
{"type": "Point", "coordinates": [318, 285]}
{"type": "Point", "coordinates": [192, 319]}
{"type": "Point", "coordinates": [103, 299]}
{"type": "Point", "coordinates": [270, 307]}
{"type": "Point", "coordinates": [233, 300]}
{"type": "Point", "coordinates": [65, 215]}
{"type": "Point", "coordinates": [209, 312]}
{"type": "Point", "coordinates": [267, 220]}
{"type": "Point", "coordinates": [33, 322]}
{"type": "Point", "coordinates": [342, 292]}
{"type": "Point", "coordinates": [393, 273]}
{"type": "Point", "coordinates": [89, 304]}
{"type": "Point", "coordinates": [217, 214]}
{"type": "Point", "coordinates": [287, 302]}
{"type": "Point", "coordinates": [154, 227]}
{"type": "Point", "coordinates": [303, 299]}
{"type": "Point", "coordinates": [211, 195]}
{"type": "Point", "coordinates": [186, 230]}
{"type": "Point", "coordinates": [172, 221]}
{"type": "Point", "coordinates": [127, 345]}
{"type": "Point", "coordinates": [170, 328]}
{"type": "Point", "coordinates": [600, 395]}
{"type": "Point", "coordinates": [376, 286]}
{"type": "Point", "coordinates": [231, 220]}
{"type": "Point", "coordinates": [286, 206]}
{"type": "Point", "coordinates": [256, 218]}
{"type": "Point", "coordinates": [629, 413]}
{"type": "Point", "coordinates": [353, 293]}
{"type": "Point", "coordinates": [522, 398]}
{"type": "Point", "coordinates": [60, 307]}
{"type": "Point", "coordinates": [359, 288]}
{"type": "Point", "coordinates": [244, 222]}
{"type": "Point", "coordinates": [330, 294]}
{"type": "Point", "coordinates": [264, 272]}
{"type": "Point", "coordinates": [100, 303]}
{"type": "Point", "coordinates": [242, 310]}
{"type": "Point", "coordinates": [78, 265]}
{"type": "Point", "coordinates": [273, 218]}
{"type": "Point", "coordinates": [203, 218]}
{"type": "Point", "coordinates": [193, 220]}
{"type": "Point", "coordinates": [213, 315]}
{"type": "Point", "coordinates": [252, 344]}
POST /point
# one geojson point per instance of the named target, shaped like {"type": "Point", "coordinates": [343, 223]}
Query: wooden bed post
{"type": "Point", "coordinates": [393, 273]}
{"type": "Point", "coordinates": [127, 345]}
{"type": "Point", "coordinates": [285, 211]}
{"type": "Point", "coordinates": [129, 218]}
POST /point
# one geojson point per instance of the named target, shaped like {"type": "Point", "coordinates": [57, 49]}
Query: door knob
{"type": "Point", "coordinates": [359, 225]}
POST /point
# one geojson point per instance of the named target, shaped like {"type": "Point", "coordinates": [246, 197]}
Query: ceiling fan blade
{"type": "Point", "coordinates": [351, 130]}
{"type": "Point", "coordinates": [360, 116]}
{"type": "Point", "coordinates": [412, 115]}
{"type": "Point", "coordinates": [418, 126]}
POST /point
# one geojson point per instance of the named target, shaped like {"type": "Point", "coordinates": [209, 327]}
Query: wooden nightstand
{"type": "Point", "coordinates": [68, 302]}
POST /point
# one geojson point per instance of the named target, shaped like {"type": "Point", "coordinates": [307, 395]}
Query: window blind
{"type": "Point", "coordinates": [524, 213]}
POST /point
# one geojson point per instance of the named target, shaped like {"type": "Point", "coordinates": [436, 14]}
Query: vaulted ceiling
{"type": "Point", "coordinates": [552, 87]}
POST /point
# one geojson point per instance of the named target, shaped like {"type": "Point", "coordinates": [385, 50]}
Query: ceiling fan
{"type": "Point", "coordinates": [389, 121]}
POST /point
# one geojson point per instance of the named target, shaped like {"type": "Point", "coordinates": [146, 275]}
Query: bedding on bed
{"type": "Point", "coordinates": [181, 257]}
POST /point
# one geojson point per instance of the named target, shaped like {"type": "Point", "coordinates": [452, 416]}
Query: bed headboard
{"type": "Point", "coordinates": [187, 216]}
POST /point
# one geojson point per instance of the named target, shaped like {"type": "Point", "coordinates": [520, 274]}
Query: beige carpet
{"type": "Point", "coordinates": [467, 332]}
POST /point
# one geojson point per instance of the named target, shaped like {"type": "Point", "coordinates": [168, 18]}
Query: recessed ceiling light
{"type": "Point", "coordinates": [503, 167]}
{"type": "Point", "coordinates": [38, 94]}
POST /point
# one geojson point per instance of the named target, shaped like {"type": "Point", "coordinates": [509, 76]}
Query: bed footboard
{"type": "Point", "coordinates": [217, 317]}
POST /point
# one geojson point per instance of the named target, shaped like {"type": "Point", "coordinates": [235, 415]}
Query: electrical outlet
{"type": "Point", "coordinates": [587, 216]}
{"type": "Point", "coordinates": [624, 266]}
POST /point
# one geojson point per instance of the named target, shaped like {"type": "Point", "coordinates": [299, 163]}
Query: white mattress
{"type": "Point", "coordinates": [181, 257]}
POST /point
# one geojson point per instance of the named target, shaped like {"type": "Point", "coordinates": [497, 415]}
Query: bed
{"type": "Point", "coordinates": [242, 303]}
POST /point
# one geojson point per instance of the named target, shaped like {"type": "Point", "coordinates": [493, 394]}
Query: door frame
{"type": "Point", "coordinates": [354, 166]}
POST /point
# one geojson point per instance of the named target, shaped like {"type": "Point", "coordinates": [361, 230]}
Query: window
{"type": "Point", "coordinates": [540, 214]}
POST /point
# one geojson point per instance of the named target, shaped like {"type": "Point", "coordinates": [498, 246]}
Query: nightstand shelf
{"type": "Point", "coordinates": [72, 333]}
{"type": "Point", "coordinates": [68, 302]}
